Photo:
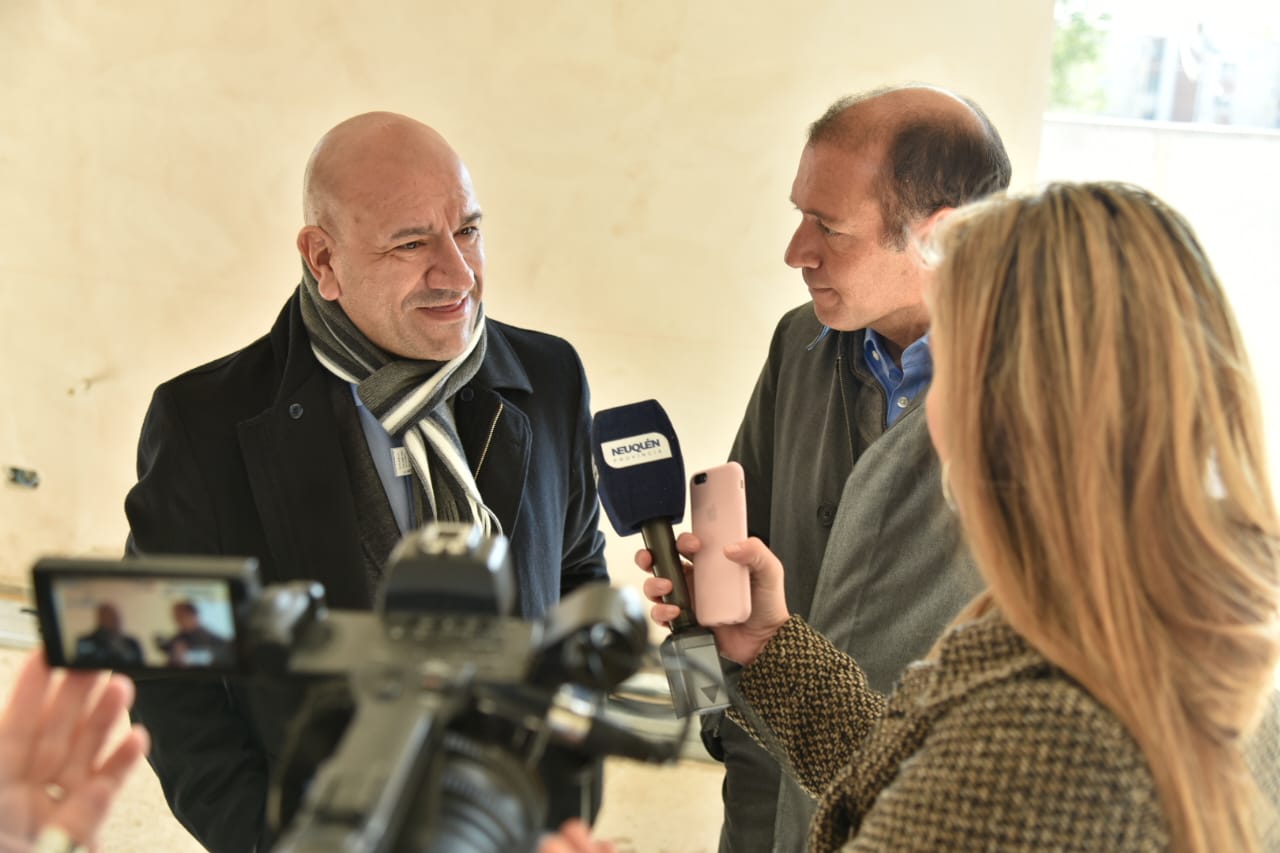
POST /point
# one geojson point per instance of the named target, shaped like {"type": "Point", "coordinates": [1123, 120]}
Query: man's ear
{"type": "Point", "coordinates": [316, 247]}
{"type": "Point", "coordinates": [931, 222]}
{"type": "Point", "coordinates": [922, 233]}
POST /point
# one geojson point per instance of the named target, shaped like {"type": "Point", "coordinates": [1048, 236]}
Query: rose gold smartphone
{"type": "Point", "coordinates": [721, 588]}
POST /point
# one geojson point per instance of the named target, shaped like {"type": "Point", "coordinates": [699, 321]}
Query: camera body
{"type": "Point", "coordinates": [444, 702]}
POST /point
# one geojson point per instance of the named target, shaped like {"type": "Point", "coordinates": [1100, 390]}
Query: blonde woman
{"type": "Point", "coordinates": [1099, 427]}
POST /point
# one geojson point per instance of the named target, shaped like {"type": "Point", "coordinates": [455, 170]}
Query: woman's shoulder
{"type": "Point", "coordinates": [1050, 713]}
{"type": "Point", "coordinates": [1028, 762]}
{"type": "Point", "coordinates": [992, 685]}
{"type": "Point", "coordinates": [1046, 743]}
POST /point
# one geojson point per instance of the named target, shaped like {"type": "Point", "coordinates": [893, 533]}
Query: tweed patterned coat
{"type": "Point", "coordinates": [986, 747]}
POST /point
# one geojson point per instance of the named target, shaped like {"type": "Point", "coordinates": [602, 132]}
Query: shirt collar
{"type": "Point", "coordinates": [917, 361]}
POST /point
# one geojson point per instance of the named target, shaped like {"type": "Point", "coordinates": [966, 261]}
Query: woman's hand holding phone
{"type": "Point", "coordinates": [742, 642]}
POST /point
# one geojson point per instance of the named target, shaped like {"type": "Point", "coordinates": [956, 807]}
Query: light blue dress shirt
{"type": "Point", "coordinates": [901, 384]}
{"type": "Point", "coordinates": [381, 447]}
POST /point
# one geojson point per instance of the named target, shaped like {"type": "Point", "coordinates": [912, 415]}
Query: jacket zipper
{"type": "Point", "coordinates": [844, 403]}
{"type": "Point", "coordinates": [493, 427]}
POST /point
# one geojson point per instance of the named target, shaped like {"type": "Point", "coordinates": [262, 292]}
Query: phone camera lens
{"type": "Point", "coordinates": [699, 479]}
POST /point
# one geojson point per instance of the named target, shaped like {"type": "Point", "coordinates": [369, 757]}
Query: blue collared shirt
{"type": "Point", "coordinates": [396, 485]}
{"type": "Point", "coordinates": [901, 384]}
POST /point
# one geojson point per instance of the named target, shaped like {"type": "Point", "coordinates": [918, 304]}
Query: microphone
{"type": "Point", "coordinates": [640, 478]}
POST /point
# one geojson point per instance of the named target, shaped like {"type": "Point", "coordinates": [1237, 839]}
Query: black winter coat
{"type": "Point", "coordinates": [242, 457]}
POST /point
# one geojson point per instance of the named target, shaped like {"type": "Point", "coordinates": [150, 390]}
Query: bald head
{"type": "Point", "coordinates": [873, 118]}
{"type": "Point", "coordinates": [364, 157]}
{"type": "Point", "coordinates": [935, 150]}
{"type": "Point", "coordinates": [392, 235]}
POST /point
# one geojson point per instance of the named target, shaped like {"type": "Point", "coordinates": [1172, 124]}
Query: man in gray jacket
{"type": "Point", "coordinates": [841, 479]}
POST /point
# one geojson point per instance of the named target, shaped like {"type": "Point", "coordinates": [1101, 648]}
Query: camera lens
{"type": "Point", "coordinates": [699, 479]}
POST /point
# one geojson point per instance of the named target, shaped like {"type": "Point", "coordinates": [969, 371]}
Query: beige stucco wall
{"type": "Point", "coordinates": [633, 158]}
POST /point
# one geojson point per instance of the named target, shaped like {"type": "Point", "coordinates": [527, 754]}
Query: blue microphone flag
{"type": "Point", "coordinates": [639, 469]}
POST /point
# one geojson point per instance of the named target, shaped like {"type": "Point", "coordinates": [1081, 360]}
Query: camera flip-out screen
{"type": "Point", "coordinates": [139, 615]}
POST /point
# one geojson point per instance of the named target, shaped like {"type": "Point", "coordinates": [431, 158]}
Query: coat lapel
{"type": "Point", "coordinates": [495, 433]}
{"type": "Point", "coordinates": [496, 436]}
{"type": "Point", "coordinates": [299, 482]}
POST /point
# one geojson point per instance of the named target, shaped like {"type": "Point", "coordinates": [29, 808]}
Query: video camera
{"type": "Point", "coordinates": [452, 701]}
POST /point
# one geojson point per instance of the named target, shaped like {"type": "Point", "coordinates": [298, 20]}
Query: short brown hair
{"type": "Point", "coordinates": [933, 159]}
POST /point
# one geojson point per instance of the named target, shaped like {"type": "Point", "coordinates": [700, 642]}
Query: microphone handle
{"type": "Point", "coordinates": [661, 542]}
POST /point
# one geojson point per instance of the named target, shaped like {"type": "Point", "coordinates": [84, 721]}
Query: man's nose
{"type": "Point", "coordinates": [800, 253]}
{"type": "Point", "coordinates": [450, 269]}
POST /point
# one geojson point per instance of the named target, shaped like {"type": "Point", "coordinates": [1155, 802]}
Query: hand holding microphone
{"type": "Point", "coordinates": [738, 642]}
{"type": "Point", "coordinates": [640, 477]}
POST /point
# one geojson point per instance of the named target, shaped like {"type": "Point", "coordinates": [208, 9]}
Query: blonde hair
{"type": "Point", "coordinates": [1106, 459]}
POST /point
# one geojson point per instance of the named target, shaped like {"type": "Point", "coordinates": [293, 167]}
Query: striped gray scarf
{"type": "Point", "coordinates": [409, 398]}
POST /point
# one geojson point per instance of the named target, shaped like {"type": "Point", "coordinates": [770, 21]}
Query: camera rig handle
{"type": "Point", "coordinates": [362, 796]}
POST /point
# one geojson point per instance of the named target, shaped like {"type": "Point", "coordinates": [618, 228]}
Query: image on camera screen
{"type": "Point", "coordinates": [146, 623]}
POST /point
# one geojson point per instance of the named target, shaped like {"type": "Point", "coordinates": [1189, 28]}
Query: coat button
{"type": "Point", "coordinates": [826, 515]}
{"type": "Point", "coordinates": [295, 410]}
{"type": "Point", "coordinates": [466, 395]}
